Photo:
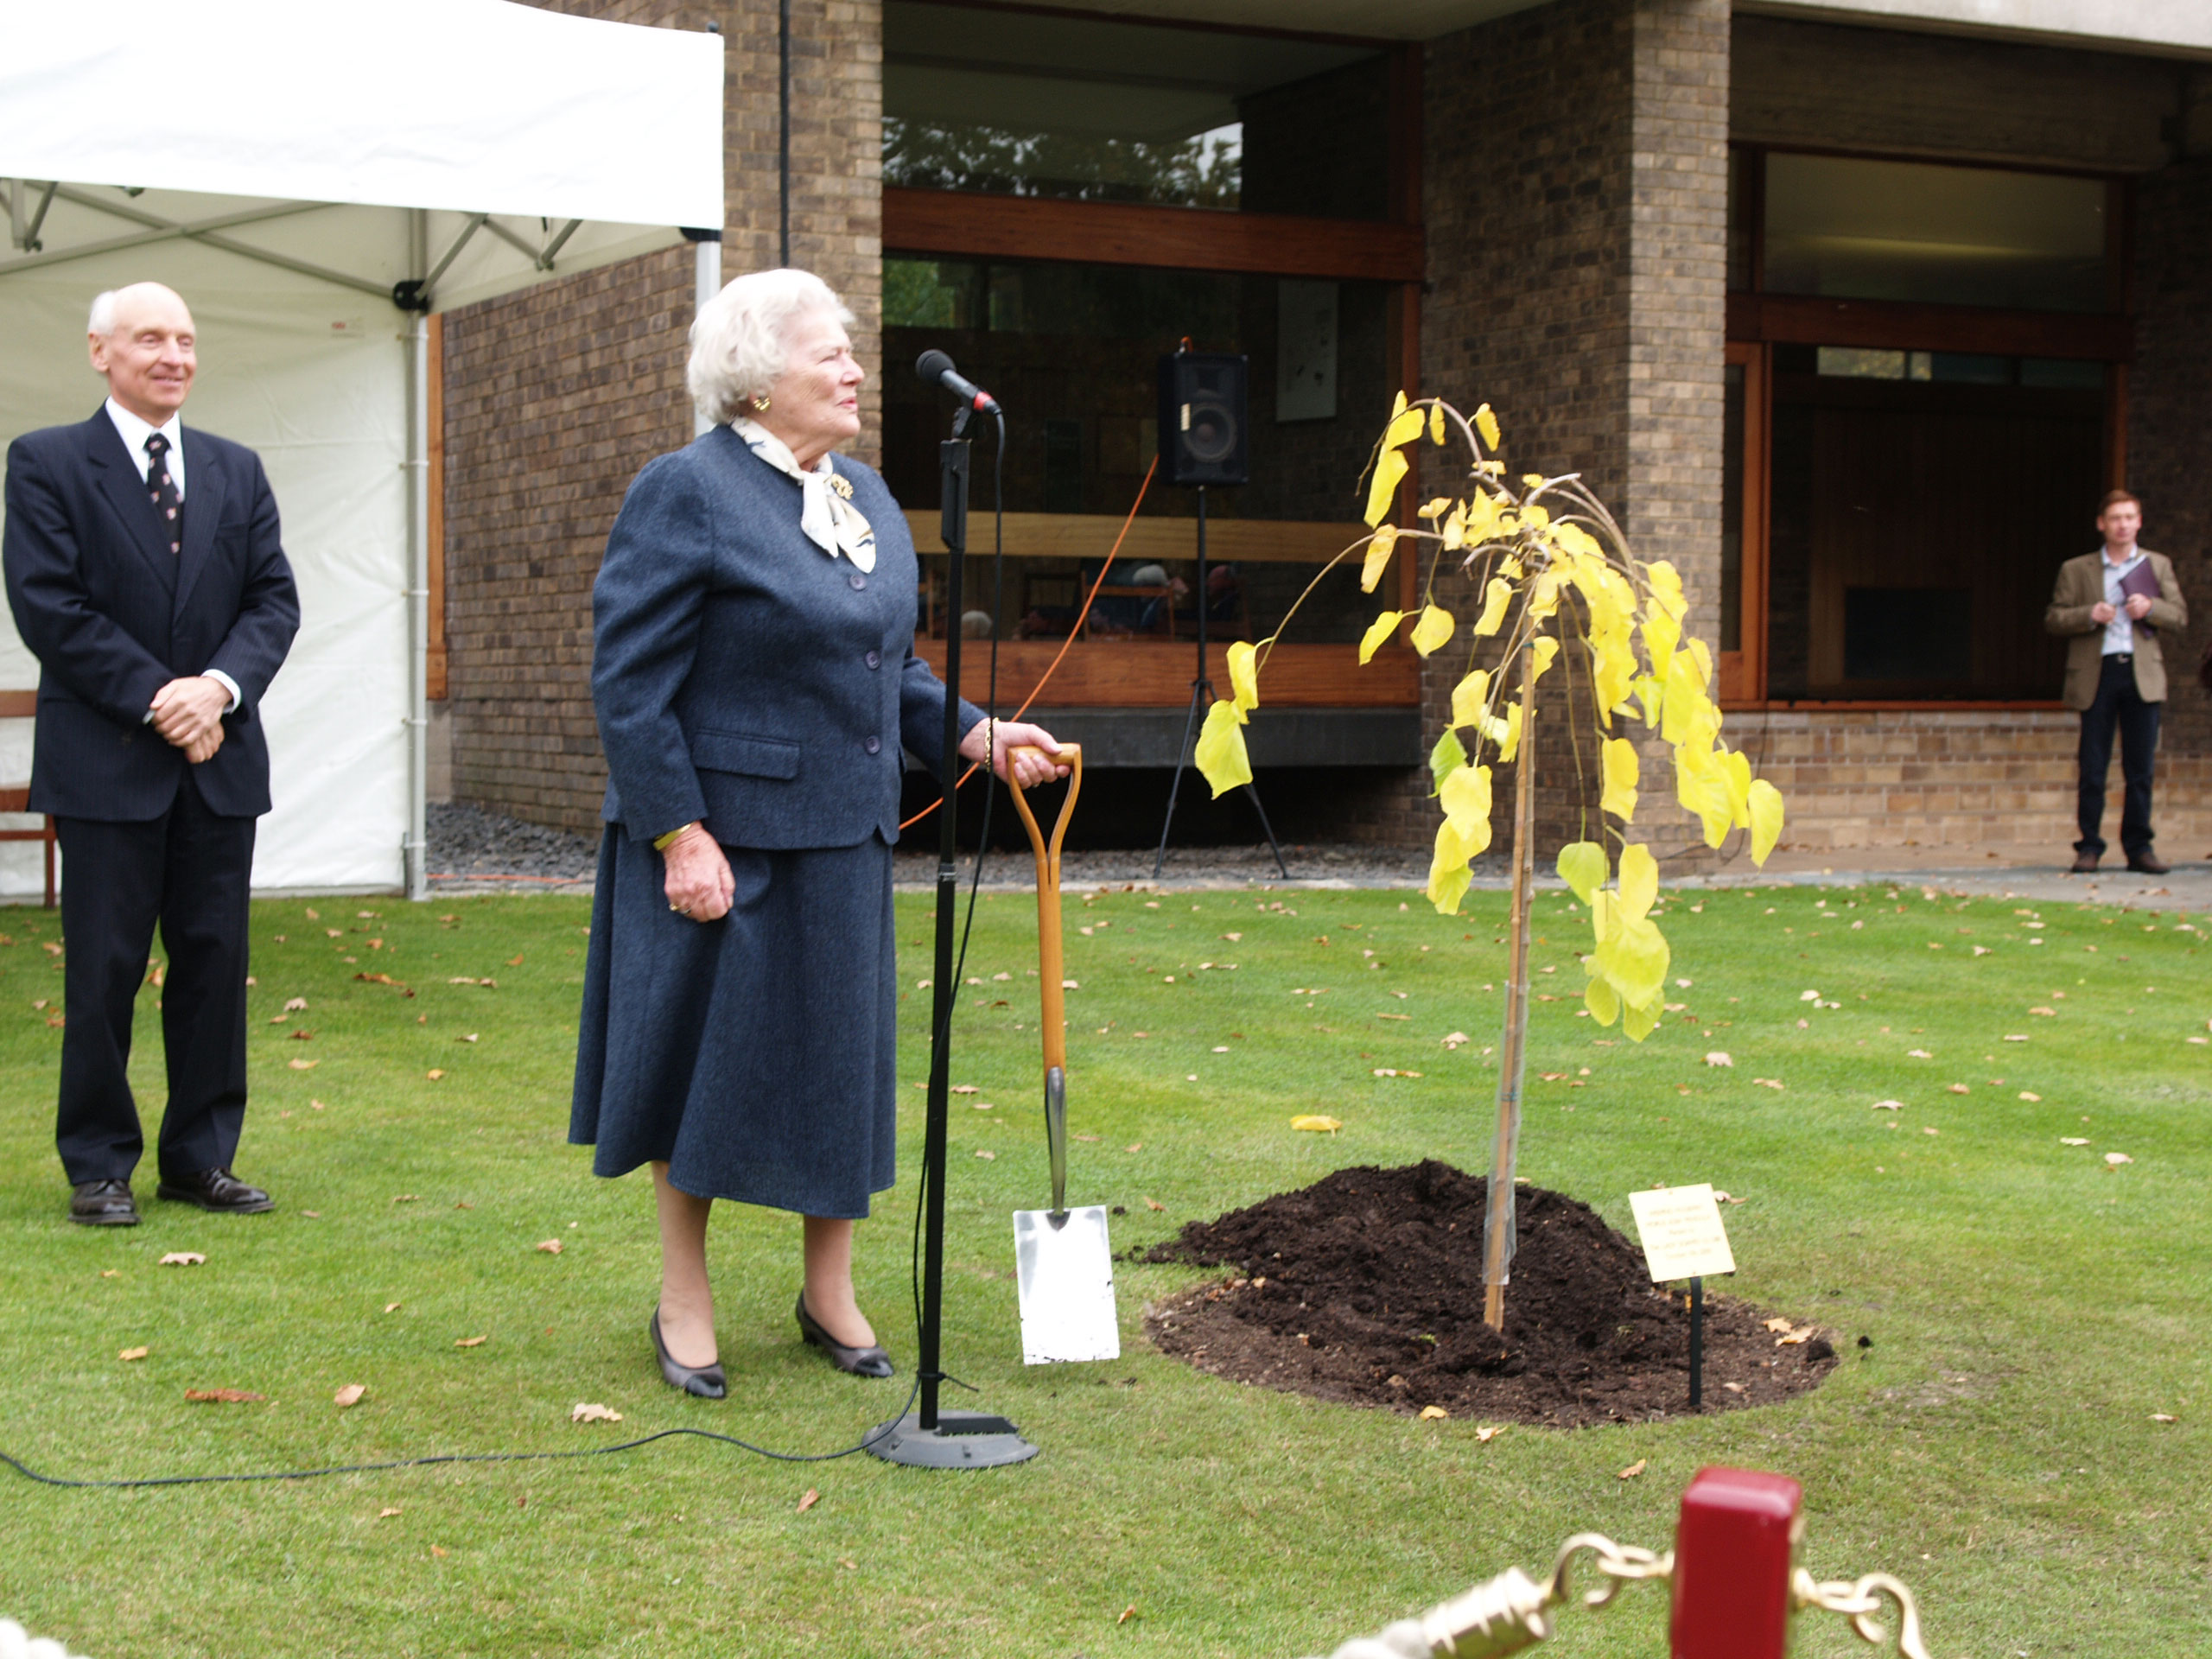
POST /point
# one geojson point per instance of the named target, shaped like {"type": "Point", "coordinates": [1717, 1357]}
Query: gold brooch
{"type": "Point", "coordinates": [841, 485]}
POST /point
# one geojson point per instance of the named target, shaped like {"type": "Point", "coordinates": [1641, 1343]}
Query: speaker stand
{"type": "Point", "coordinates": [1202, 695]}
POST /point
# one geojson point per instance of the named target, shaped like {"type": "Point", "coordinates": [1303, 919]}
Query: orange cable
{"type": "Point", "coordinates": [1075, 629]}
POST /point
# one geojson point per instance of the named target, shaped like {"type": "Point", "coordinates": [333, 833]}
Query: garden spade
{"type": "Point", "coordinates": [1062, 1260]}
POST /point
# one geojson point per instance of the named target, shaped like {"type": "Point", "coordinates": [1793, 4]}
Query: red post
{"type": "Point", "coordinates": [1735, 1550]}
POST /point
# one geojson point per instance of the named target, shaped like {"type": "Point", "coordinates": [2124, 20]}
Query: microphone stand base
{"type": "Point", "coordinates": [962, 1439]}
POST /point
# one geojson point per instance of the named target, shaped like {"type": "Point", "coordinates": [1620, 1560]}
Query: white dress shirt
{"type": "Point", "coordinates": [135, 433]}
{"type": "Point", "coordinates": [2119, 633]}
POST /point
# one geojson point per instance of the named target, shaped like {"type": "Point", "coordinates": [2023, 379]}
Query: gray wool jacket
{"type": "Point", "coordinates": [741, 676]}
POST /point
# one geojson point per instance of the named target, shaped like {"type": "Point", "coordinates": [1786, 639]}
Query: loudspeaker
{"type": "Point", "coordinates": [1202, 418]}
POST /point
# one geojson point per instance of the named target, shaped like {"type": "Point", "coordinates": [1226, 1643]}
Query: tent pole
{"type": "Point", "coordinates": [418, 581]}
{"type": "Point", "coordinates": [707, 255]}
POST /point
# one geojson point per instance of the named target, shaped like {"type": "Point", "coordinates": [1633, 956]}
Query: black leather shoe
{"type": "Point", "coordinates": [2147, 862]}
{"type": "Point", "coordinates": [104, 1204]}
{"type": "Point", "coordinates": [861, 1362]}
{"type": "Point", "coordinates": [706, 1381]}
{"type": "Point", "coordinates": [216, 1190]}
{"type": "Point", "coordinates": [2085, 864]}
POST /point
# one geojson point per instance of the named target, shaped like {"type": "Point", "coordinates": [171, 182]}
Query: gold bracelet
{"type": "Point", "coordinates": [662, 843]}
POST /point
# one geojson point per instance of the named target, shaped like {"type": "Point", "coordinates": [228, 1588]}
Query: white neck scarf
{"type": "Point", "coordinates": [827, 514]}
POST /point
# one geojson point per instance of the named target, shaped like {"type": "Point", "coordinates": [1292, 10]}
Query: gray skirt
{"type": "Point", "coordinates": [756, 1055]}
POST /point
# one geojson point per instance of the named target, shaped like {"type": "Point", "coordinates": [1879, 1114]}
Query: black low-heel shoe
{"type": "Point", "coordinates": [707, 1382]}
{"type": "Point", "coordinates": [861, 1362]}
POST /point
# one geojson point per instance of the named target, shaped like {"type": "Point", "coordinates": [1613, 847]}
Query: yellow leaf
{"type": "Point", "coordinates": [1389, 468]}
{"type": "Point", "coordinates": [1486, 423]}
{"type": "Point", "coordinates": [1435, 629]}
{"type": "Point", "coordinates": [1455, 528]}
{"type": "Point", "coordinates": [1545, 649]}
{"type": "Point", "coordinates": [1582, 867]}
{"type": "Point", "coordinates": [1466, 800]}
{"type": "Point", "coordinates": [1633, 1468]}
{"type": "Point", "coordinates": [1378, 555]}
{"type": "Point", "coordinates": [1468, 696]}
{"type": "Point", "coordinates": [1603, 1002]}
{"type": "Point", "coordinates": [1316, 1123]}
{"type": "Point", "coordinates": [1737, 766]}
{"type": "Point", "coordinates": [1380, 630]}
{"type": "Point", "coordinates": [1448, 874]}
{"type": "Point", "coordinates": [1640, 1019]}
{"type": "Point", "coordinates": [1666, 588]}
{"type": "Point", "coordinates": [1482, 516]}
{"type": "Point", "coordinates": [1243, 676]}
{"type": "Point", "coordinates": [1509, 735]}
{"type": "Point", "coordinates": [1764, 807]}
{"type": "Point", "coordinates": [1434, 1414]}
{"type": "Point", "coordinates": [1621, 769]}
{"type": "Point", "coordinates": [1496, 598]}
{"type": "Point", "coordinates": [1639, 881]}
{"type": "Point", "coordinates": [1687, 705]}
{"type": "Point", "coordinates": [1447, 757]}
{"type": "Point", "coordinates": [1405, 425]}
{"type": "Point", "coordinates": [1220, 754]}
{"type": "Point", "coordinates": [1661, 634]}
{"type": "Point", "coordinates": [1434, 509]}
{"type": "Point", "coordinates": [1436, 422]}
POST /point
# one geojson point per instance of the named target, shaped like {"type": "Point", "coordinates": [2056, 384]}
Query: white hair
{"type": "Point", "coordinates": [102, 321]}
{"type": "Point", "coordinates": [739, 338]}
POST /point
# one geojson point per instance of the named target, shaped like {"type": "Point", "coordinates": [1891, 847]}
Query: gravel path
{"type": "Point", "coordinates": [475, 851]}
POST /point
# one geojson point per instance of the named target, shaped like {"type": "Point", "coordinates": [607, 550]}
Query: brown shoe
{"type": "Point", "coordinates": [103, 1203]}
{"type": "Point", "coordinates": [2085, 864]}
{"type": "Point", "coordinates": [2147, 862]}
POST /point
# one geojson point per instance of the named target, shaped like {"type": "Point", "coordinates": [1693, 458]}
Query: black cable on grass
{"type": "Point", "coordinates": [990, 784]}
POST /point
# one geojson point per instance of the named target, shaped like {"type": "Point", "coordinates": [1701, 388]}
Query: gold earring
{"type": "Point", "coordinates": [759, 404]}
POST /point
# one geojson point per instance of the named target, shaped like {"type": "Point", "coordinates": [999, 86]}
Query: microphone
{"type": "Point", "coordinates": [937, 369]}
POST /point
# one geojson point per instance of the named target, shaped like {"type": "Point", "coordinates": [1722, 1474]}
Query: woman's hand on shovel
{"type": "Point", "coordinates": [1029, 770]}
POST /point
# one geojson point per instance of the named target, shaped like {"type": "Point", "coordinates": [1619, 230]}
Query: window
{"type": "Point", "coordinates": [1926, 369]}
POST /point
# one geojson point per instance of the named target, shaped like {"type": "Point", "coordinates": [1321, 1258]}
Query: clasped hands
{"type": "Point", "coordinates": [2138, 606]}
{"type": "Point", "coordinates": [188, 713]}
{"type": "Point", "coordinates": [697, 878]}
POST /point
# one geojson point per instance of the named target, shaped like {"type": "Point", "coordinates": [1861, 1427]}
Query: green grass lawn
{"type": "Point", "coordinates": [2030, 1308]}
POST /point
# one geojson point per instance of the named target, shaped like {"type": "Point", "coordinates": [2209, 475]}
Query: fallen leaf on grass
{"type": "Point", "coordinates": [1766, 1082]}
{"type": "Point", "coordinates": [1778, 1324]}
{"type": "Point", "coordinates": [438, 1550]}
{"type": "Point", "coordinates": [1491, 1432]}
{"type": "Point", "coordinates": [1796, 1339]}
{"type": "Point", "coordinates": [514, 961]}
{"type": "Point", "coordinates": [550, 1246]}
{"type": "Point", "coordinates": [404, 1197]}
{"type": "Point", "coordinates": [2116, 1158]}
{"type": "Point", "coordinates": [469, 1038]}
{"type": "Point", "coordinates": [807, 1502]}
{"type": "Point", "coordinates": [393, 1307]}
{"type": "Point", "coordinates": [1128, 1613]}
{"type": "Point", "coordinates": [2014, 1036]}
{"type": "Point", "coordinates": [2048, 1014]}
{"type": "Point", "coordinates": [1397, 1071]}
{"type": "Point", "coordinates": [295, 1005]}
{"type": "Point", "coordinates": [134, 1353]}
{"type": "Point", "coordinates": [1134, 1146]}
{"type": "Point", "coordinates": [1317, 1123]}
{"type": "Point", "coordinates": [1888, 1105]}
{"type": "Point", "coordinates": [1719, 1056]}
{"type": "Point", "coordinates": [222, 1396]}
{"type": "Point", "coordinates": [303, 1035]}
{"type": "Point", "coordinates": [589, 1411]}
{"type": "Point", "coordinates": [182, 1259]}
{"type": "Point", "coordinates": [2073, 1141]}
{"type": "Point", "coordinates": [988, 1157]}
{"type": "Point", "coordinates": [386, 1515]}
{"type": "Point", "coordinates": [1457, 1039]}
{"type": "Point", "coordinates": [1070, 985]}
{"type": "Point", "coordinates": [1633, 1468]}
{"type": "Point", "coordinates": [303, 1065]}
{"type": "Point", "coordinates": [470, 1342]}
{"type": "Point", "coordinates": [2162, 1417]}
{"type": "Point", "coordinates": [1154, 1204]}
{"type": "Point", "coordinates": [963, 1089]}
{"type": "Point", "coordinates": [1918, 1054]}
{"type": "Point", "coordinates": [1930, 1129]}
{"type": "Point", "coordinates": [1958, 1088]}
{"type": "Point", "coordinates": [2025, 1095]}
{"type": "Point", "coordinates": [350, 1394]}
{"type": "Point", "coordinates": [1433, 1413]}
{"type": "Point", "coordinates": [316, 1104]}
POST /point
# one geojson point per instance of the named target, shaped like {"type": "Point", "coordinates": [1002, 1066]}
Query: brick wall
{"type": "Point", "coordinates": [556, 395]}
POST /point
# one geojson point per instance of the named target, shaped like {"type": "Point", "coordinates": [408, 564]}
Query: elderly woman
{"type": "Point", "coordinates": [755, 680]}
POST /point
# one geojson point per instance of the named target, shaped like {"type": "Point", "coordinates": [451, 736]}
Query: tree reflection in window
{"type": "Point", "coordinates": [1202, 171]}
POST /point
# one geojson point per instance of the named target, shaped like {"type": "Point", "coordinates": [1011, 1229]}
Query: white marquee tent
{"type": "Point", "coordinates": [290, 166]}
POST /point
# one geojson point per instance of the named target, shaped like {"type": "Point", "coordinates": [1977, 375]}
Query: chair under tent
{"type": "Point", "coordinates": [317, 181]}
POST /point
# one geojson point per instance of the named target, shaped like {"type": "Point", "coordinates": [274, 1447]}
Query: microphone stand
{"type": "Point", "coordinates": [930, 1439]}
{"type": "Point", "coordinates": [1201, 695]}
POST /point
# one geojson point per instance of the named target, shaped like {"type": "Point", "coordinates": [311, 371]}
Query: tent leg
{"type": "Point", "coordinates": [707, 282]}
{"type": "Point", "coordinates": [419, 606]}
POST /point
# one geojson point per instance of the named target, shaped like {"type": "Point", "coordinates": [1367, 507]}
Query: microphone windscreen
{"type": "Point", "coordinates": [931, 366]}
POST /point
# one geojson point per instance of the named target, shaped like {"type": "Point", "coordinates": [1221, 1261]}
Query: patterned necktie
{"type": "Point", "coordinates": [168, 500]}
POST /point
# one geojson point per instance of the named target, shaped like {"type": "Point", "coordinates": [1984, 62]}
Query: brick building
{"type": "Point", "coordinates": [1850, 308]}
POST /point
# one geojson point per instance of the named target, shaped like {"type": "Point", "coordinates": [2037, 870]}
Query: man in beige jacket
{"type": "Point", "coordinates": [2113, 604]}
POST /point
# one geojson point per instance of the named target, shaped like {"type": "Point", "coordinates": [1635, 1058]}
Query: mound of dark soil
{"type": "Point", "coordinates": [1367, 1288]}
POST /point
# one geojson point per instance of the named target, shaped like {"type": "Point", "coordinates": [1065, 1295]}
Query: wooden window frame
{"type": "Point", "coordinates": [1758, 321]}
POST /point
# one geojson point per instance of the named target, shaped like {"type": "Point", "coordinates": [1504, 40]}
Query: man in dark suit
{"type": "Point", "coordinates": [2111, 604]}
{"type": "Point", "coordinates": [146, 574]}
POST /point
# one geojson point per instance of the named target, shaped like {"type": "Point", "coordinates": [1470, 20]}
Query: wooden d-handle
{"type": "Point", "coordinates": [1052, 997]}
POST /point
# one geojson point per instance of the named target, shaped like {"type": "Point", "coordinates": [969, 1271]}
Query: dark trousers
{"type": "Point", "coordinates": [188, 872]}
{"type": "Point", "coordinates": [2118, 708]}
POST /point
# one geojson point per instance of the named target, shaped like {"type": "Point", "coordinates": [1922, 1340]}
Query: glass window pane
{"type": "Point", "coordinates": [1024, 104]}
{"type": "Point", "coordinates": [1850, 228]}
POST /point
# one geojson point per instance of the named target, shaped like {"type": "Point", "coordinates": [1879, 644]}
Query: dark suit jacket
{"type": "Point", "coordinates": [2080, 589]}
{"type": "Point", "coordinates": [113, 616]}
{"type": "Point", "coordinates": [744, 678]}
